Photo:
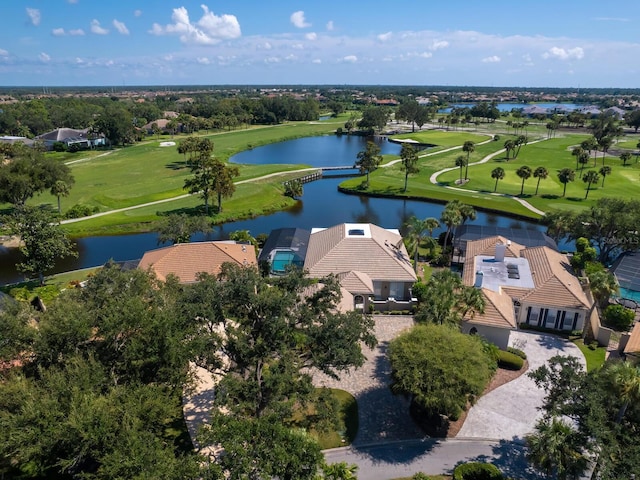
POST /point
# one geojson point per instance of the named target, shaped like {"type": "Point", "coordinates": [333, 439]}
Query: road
{"type": "Point", "coordinates": [433, 457]}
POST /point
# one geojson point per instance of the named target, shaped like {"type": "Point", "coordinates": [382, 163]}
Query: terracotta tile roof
{"type": "Point", "coordinates": [382, 255]}
{"type": "Point", "coordinates": [498, 311]}
{"type": "Point", "coordinates": [633, 345]}
{"type": "Point", "coordinates": [186, 260]}
{"type": "Point", "coordinates": [556, 285]}
{"type": "Point", "coordinates": [356, 282]}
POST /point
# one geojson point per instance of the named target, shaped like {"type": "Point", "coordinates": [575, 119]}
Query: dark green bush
{"type": "Point", "coordinates": [518, 352]}
{"type": "Point", "coordinates": [509, 361]}
{"type": "Point", "coordinates": [420, 476]}
{"type": "Point", "coordinates": [80, 210]}
{"type": "Point", "coordinates": [477, 471]}
{"type": "Point", "coordinates": [619, 317]}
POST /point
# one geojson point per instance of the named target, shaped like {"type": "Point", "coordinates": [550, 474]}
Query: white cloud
{"type": "Point", "coordinates": [203, 60]}
{"type": "Point", "coordinates": [3, 52]}
{"type": "Point", "coordinates": [298, 20]}
{"type": "Point", "coordinates": [330, 26]}
{"type": "Point", "coordinates": [350, 59]}
{"type": "Point", "coordinates": [424, 55]}
{"type": "Point", "coordinates": [272, 60]}
{"type": "Point", "coordinates": [97, 29]}
{"type": "Point", "coordinates": [34, 16]}
{"type": "Point", "coordinates": [58, 32]}
{"type": "Point", "coordinates": [311, 36]}
{"type": "Point", "coordinates": [438, 44]}
{"type": "Point", "coordinates": [44, 57]}
{"type": "Point", "coordinates": [77, 32]}
{"type": "Point", "coordinates": [167, 58]}
{"type": "Point", "coordinates": [209, 30]}
{"type": "Point", "coordinates": [316, 60]}
{"type": "Point", "coordinates": [120, 27]}
{"type": "Point", "coordinates": [110, 63]}
{"type": "Point", "coordinates": [491, 59]}
{"type": "Point", "coordinates": [383, 37]}
{"type": "Point", "coordinates": [564, 54]}
{"type": "Point", "coordinates": [137, 13]}
{"type": "Point", "coordinates": [264, 46]}
{"type": "Point", "coordinates": [79, 61]}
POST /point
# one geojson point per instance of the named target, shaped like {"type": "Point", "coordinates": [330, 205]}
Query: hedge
{"type": "Point", "coordinates": [477, 471]}
{"type": "Point", "coordinates": [509, 361]}
{"type": "Point", "coordinates": [518, 352]}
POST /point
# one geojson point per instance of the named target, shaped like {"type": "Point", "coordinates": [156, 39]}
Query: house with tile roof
{"type": "Point", "coordinates": [371, 263]}
{"type": "Point", "coordinates": [522, 285]}
{"type": "Point", "coordinates": [187, 260]}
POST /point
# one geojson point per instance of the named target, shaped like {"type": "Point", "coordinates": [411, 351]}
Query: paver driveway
{"type": "Point", "coordinates": [512, 410]}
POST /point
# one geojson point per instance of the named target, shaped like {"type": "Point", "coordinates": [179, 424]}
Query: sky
{"type": "Point", "coordinates": [519, 43]}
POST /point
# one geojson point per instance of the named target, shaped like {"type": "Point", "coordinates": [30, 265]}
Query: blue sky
{"type": "Point", "coordinates": [561, 43]}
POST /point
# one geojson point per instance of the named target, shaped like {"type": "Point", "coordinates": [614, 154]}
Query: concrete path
{"type": "Point", "coordinates": [434, 180]}
{"type": "Point", "coordinates": [511, 411]}
{"type": "Point", "coordinates": [382, 415]}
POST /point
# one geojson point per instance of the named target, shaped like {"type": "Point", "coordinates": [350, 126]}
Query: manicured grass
{"type": "Point", "coordinates": [595, 358]}
{"type": "Point", "coordinates": [348, 408]}
{"type": "Point", "coordinates": [441, 138]}
{"type": "Point", "coordinates": [630, 142]}
{"type": "Point", "coordinates": [53, 285]}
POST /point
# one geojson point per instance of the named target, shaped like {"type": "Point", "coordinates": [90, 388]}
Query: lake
{"type": "Point", "coordinates": [507, 107]}
{"type": "Point", "coordinates": [320, 206]}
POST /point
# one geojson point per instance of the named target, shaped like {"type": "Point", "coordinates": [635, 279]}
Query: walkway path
{"type": "Point", "coordinates": [434, 180]}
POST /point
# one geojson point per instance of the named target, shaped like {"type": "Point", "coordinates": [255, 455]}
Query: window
{"type": "Point", "coordinates": [377, 290]}
{"type": "Point", "coordinates": [396, 290]}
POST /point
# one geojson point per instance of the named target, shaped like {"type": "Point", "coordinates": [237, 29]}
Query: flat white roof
{"type": "Point", "coordinates": [512, 272]}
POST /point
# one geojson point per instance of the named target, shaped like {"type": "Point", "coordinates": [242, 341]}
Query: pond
{"type": "Point", "coordinates": [320, 206]}
{"type": "Point", "coordinates": [507, 107]}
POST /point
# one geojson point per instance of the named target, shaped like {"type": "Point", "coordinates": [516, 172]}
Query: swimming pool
{"type": "Point", "coordinates": [281, 260]}
{"type": "Point", "coordinates": [629, 294]}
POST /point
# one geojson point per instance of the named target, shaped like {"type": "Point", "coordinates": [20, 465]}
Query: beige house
{"type": "Point", "coordinates": [186, 260]}
{"type": "Point", "coordinates": [371, 263]}
{"type": "Point", "coordinates": [522, 285]}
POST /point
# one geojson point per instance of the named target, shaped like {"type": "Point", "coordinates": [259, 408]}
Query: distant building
{"type": "Point", "coordinates": [70, 136]}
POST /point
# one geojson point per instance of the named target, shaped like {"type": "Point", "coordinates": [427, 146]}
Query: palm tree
{"type": "Point", "coordinates": [471, 301]}
{"type": "Point", "coordinates": [590, 178]}
{"type": "Point", "coordinates": [409, 157]}
{"type": "Point", "coordinates": [468, 147]}
{"type": "Point", "coordinates": [467, 212]}
{"type": "Point", "coordinates": [557, 449]}
{"type": "Point", "coordinates": [590, 145]}
{"type": "Point", "coordinates": [604, 171]}
{"type": "Point", "coordinates": [498, 174]}
{"type": "Point", "coordinates": [565, 176]}
{"type": "Point", "coordinates": [60, 189]}
{"type": "Point", "coordinates": [576, 152]}
{"type": "Point", "coordinates": [450, 217]}
{"type": "Point", "coordinates": [340, 471]}
{"type": "Point", "coordinates": [626, 380]}
{"type": "Point", "coordinates": [625, 157]}
{"type": "Point", "coordinates": [637, 151]}
{"type": "Point", "coordinates": [509, 146]}
{"type": "Point", "coordinates": [540, 173]}
{"type": "Point", "coordinates": [605, 143]}
{"type": "Point", "coordinates": [583, 159]}
{"type": "Point", "coordinates": [603, 284]}
{"type": "Point", "coordinates": [524, 173]}
{"type": "Point", "coordinates": [460, 162]}
{"type": "Point", "coordinates": [520, 141]}
{"type": "Point", "coordinates": [416, 229]}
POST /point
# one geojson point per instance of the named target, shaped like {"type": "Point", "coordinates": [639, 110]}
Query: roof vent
{"type": "Point", "coordinates": [356, 232]}
{"type": "Point", "coordinates": [244, 248]}
{"type": "Point", "coordinates": [479, 279]}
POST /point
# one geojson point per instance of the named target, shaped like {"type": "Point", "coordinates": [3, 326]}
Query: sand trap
{"type": "Point", "coordinates": [167, 144]}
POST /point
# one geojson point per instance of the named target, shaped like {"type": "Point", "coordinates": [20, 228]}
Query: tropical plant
{"type": "Point", "coordinates": [583, 159]}
{"type": "Point", "coordinates": [604, 171]}
{"type": "Point", "coordinates": [509, 146]}
{"type": "Point", "coordinates": [576, 152]}
{"type": "Point", "coordinates": [625, 157]}
{"type": "Point", "coordinates": [369, 159]}
{"type": "Point", "coordinates": [565, 176]}
{"type": "Point", "coordinates": [591, 145]}
{"type": "Point", "coordinates": [605, 143]}
{"type": "Point", "coordinates": [415, 235]}
{"type": "Point", "coordinates": [524, 172]}
{"type": "Point", "coordinates": [468, 147]}
{"type": "Point", "coordinates": [626, 380]}
{"type": "Point", "coordinates": [409, 157]}
{"type": "Point", "coordinates": [61, 189]}
{"type": "Point", "coordinates": [497, 173]}
{"type": "Point", "coordinates": [590, 178]}
{"type": "Point", "coordinates": [460, 162]}
{"type": "Point", "coordinates": [540, 173]}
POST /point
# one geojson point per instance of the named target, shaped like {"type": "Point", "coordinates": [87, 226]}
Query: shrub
{"type": "Point", "coordinates": [618, 317]}
{"type": "Point", "coordinates": [59, 147]}
{"type": "Point", "coordinates": [496, 138]}
{"type": "Point", "coordinates": [420, 476]}
{"type": "Point", "coordinates": [509, 361]}
{"type": "Point", "coordinates": [477, 471]}
{"type": "Point", "coordinates": [80, 210]}
{"type": "Point", "coordinates": [518, 352]}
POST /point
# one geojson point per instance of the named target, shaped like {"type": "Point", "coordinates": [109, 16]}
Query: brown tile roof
{"type": "Point", "coordinates": [555, 283]}
{"type": "Point", "coordinates": [498, 311]}
{"type": "Point", "coordinates": [332, 251]}
{"type": "Point", "coordinates": [633, 345]}
{"type": "Point", "coordinates": [186, 260]}
{"type": "Point", "coordinates": [356, 282]}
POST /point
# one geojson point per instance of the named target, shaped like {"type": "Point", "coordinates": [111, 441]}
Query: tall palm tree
{"type": "Point", "coordinates": [604, 171]}
{"type": "Point", "coordinates": [540, 173]}
{"type": "Point", "coordinates": [565, 176]}
{"type": "Point", "coordinates": [626, 380]}
{"type": "Point", "coordinates": [605, 143]}
{"type": "Point", "coordinates": [637, 151]}
{"type": "Point", "coordinates": [557, 449]}
{"type": "Point", "coordinates": [625, 157]}
{"type": "Point", "coordinates": [416, 229]}
{"type": "Point", "coordinates": [471, 302]}
{"type": "Point", "coordinates": [524, 173]}
{"type": "Point", "coordinates": [591, 145]}
{"type": "Point", "coordinates": [509, 146]}
{"type": "Point", "coordinates": [468, 147]}
{"type": "Point", "coordinates": [460, 162]}
{"type": "Point", "coordinates": [498, 174]}
{"type": "Point", "coordinates": [583, 159]}
{"type": "Point", "coordinates": [519, 142]}
{"type": "Point", "coordinates": [603, 284]}
{"type": "Point", "coordinates": [60, 189]}
{"type": "Point", "coordinates": [590, 178]}
{"type": "Point", "coordinates": [450, 217]}
{"type": "Point", "coordinates": [409, 156]}
{"type": "Point", "coordinates": [576, 152]}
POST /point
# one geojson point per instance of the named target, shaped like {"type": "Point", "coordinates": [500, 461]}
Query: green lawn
{"type": "Point", "coordinates": [595, 357]}
{"type": "Point", "coordinates": [442, 138]}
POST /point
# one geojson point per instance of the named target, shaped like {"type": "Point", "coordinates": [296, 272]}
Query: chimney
{"type": "Point", "coordinates": [500, 250]}
{"type": "Point", "coordinates": [479, 278]}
